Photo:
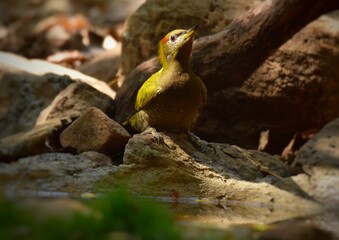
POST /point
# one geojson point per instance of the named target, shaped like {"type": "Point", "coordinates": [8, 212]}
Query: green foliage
{"type": "Point", "coordinates": [116, 216]}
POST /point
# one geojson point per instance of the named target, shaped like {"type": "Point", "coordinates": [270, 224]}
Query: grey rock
{"type": "Point", "coordinates": [322, 149]}
{"type": "Point", "coordinates": [23, 95]}
{"type": "Point", "coordinates": [319, 158]}
{"type": "Point", "coordinates": [61, 172]}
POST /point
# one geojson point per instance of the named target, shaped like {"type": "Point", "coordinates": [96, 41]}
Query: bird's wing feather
{"type": "Point", "coordinates": [148, 91]}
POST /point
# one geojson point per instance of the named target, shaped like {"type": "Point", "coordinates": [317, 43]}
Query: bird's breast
{"type": "Point", "coordinates": [176, 106]}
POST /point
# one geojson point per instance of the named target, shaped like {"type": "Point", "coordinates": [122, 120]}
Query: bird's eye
{"type": "Point", "coordinates": [172, 38]}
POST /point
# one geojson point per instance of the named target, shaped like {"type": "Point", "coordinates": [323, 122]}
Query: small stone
{"type": "Point", "coordinates": [94, 131]}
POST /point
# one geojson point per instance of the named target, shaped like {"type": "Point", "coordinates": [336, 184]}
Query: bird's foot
{"type": "Point", "coordinates": [202, 145]}
{"type": "Point", "coordinates": [157, 136]}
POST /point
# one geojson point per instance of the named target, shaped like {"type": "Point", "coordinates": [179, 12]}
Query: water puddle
{"type": "Point", "coordinates": [220, 215]}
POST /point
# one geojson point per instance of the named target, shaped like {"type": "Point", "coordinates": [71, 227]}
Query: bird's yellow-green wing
{"type": "Point", "coordinates": [148, 91]}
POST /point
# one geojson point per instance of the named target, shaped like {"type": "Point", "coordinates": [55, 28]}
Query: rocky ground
{"type": "Point", "coordinates": [60, 132]}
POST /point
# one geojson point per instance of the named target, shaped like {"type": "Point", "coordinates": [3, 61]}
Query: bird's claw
{"type": "Point", "coordinates": [159, 139]}
{"type": "Point", "coordinates": [157, 136]}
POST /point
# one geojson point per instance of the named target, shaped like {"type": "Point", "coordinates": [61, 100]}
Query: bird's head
{"type": "Point", "coordinates": [176, 45]}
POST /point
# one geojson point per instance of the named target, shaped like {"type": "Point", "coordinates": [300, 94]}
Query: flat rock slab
{"type": "Point", "coordinates": [234, 173]}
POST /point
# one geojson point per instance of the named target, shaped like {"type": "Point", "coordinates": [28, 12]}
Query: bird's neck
{"type": "Point", "coordinates": [184, 55]}
{"type": "Point", "coordinates": [178, 66]}
{"type": "Point", "coordinates": [180, 59]}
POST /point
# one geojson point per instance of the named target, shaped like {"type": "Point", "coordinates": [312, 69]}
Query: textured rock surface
{"type": "Point", "coordinates": [73, 101]}
{"type": "Point", "coordinates": [94, 131]}
{"type": "Point", "coordinates": [23, 95]}
{"type": "Point", "coordinates": [323, 148]}
{"type": "Point", "coordinates": [319, 158]}
{"type": "Point", "coordinates": [53, 172]}
{"type": "Point", "coordinates": [155, 19]}
{"type": "Point", "coordinates": [151, 167]}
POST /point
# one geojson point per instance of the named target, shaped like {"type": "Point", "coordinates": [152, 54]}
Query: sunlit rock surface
{"type": "Point", "coordinates": [222, 171]}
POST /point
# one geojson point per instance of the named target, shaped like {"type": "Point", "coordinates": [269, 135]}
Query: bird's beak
{"type": "Point", "coordinates": [192, 28]}
{"type": "Point", "coordinates": [190, 32]}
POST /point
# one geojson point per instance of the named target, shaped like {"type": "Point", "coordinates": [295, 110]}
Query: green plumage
{"type": "Point", "coordinates": [172, 97]}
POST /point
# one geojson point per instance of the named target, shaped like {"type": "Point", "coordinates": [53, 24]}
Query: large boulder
{"type": "Point", "coordinates": [218, 170]}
